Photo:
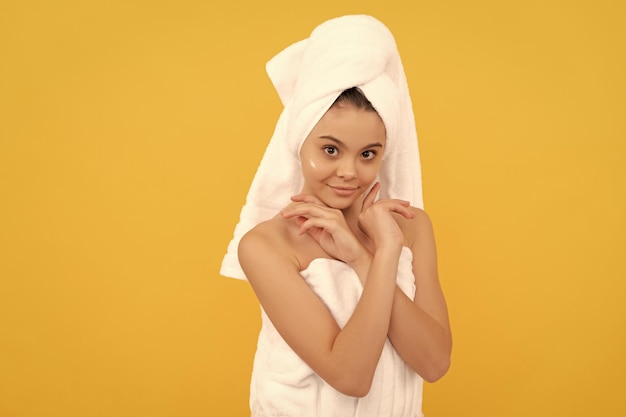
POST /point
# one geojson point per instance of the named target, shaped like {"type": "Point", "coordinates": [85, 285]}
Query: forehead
{"type": "Point", "coordinates": [356, 127]}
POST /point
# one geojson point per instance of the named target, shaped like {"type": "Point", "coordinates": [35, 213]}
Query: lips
{"type": "Point", "coordinates": [343, 191]}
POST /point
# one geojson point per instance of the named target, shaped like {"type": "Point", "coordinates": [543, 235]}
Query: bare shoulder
{"type": "Point", "coordinates": [267, 242]}
{"type": "Point", "coordinates": [417, 228]}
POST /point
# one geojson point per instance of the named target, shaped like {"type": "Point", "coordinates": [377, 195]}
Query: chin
{"type": "Point", "coordinates": [339, 204]}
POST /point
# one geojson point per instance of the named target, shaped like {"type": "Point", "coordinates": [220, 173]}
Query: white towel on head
{"type": "Point", "coordinates": [349, 51]}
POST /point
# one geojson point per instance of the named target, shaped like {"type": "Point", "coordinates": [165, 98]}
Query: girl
{"type": "Point", "coordinates": [353, 314]}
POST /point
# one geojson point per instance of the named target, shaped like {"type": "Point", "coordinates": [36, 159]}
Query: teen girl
{"type": "Point", "coordinates": [354, 318]}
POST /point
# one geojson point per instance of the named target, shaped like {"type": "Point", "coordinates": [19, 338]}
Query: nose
{"type": "Point", "coordinates": [346, 169]}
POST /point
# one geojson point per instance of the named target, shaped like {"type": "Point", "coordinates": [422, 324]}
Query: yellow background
{"type": "Point", "coordinates": [130, 131]}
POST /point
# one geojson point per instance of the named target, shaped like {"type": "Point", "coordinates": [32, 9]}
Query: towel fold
{"type": "Point", "coordinates": [349, 51]}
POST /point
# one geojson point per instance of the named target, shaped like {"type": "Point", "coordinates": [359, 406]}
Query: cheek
{"type": "Point", "coordinates": [370, 172]}
{"type": "Point", "coordinates": [312, 168]}
{"type": "Point", "coordinates": [318, 166]}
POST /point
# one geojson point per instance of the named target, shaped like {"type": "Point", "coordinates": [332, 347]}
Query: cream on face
{"type": "Point", "coordinates": [342, 155]}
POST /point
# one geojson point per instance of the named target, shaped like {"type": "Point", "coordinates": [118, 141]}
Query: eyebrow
{"type": "Point", "coordinates": [343, 145]}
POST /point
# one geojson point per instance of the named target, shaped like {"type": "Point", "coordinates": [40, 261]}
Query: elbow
{"type": "Point", "coordinates": [436, 370]}
{"type": "Point", "coordinates": [439, 363]}
{"type": "Point", "coordinates": [352, 385]}
{"type": "Point", "coordinates": [355, 390]}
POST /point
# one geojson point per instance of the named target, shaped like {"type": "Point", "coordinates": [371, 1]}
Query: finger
{"type": "Point", "coordinates": [308, 210]}
{"type": "Point", "coordinates": [300, 220]}
{"type": "Point", "coordinates": [394, 201]}
{"type": "Point", "coordinates": [371, 196]}
{"type": "Point", "coordinates": [315, 226]}
{"type": "Point", "coordinates": [288, 208]}
{"type": "Point", "coordinates": [407, 214]}
{"type": "Point", "coordinates": [401, 207]}
{"type": "Point", "coordinates": [307, 198]}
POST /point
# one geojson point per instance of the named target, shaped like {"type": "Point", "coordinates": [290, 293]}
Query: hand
{"type": "Point", "coordinates": [327, 226]}
{"type": "Point", "coordinates": [377, 222]}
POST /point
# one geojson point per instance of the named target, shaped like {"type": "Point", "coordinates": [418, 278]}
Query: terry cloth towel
{"type": "Point", "coordinates": [344, 52]}
{"type": "Point", "coordinates": [282, 384]}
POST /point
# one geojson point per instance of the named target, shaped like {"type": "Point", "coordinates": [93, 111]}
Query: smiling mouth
{"type": "Point", "coordinates": [343, 191]}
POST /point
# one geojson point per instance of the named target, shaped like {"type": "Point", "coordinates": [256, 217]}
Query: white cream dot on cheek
{"type": "Point", "coordinates": [312, 163]}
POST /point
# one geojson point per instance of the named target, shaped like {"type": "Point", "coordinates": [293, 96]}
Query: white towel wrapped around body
{"type": "Point", "coordinates": [349, 51]}
{"type": "Point", "coordinates": [284, 385]}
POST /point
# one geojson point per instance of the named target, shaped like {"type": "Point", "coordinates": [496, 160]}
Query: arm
{"type": "Point", "coordinates": [345, 358]}
{"type": "Point", "coordinates": [419, 329]}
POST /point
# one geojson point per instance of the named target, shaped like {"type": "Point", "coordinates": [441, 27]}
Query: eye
{"type": "Point", "coordinates": [368, 154]}
{"type": "Point", "coordinates": [330, 150]}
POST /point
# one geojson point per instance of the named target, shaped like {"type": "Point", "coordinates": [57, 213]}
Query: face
{"type": "Point", "coordinates": [341, 156]}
